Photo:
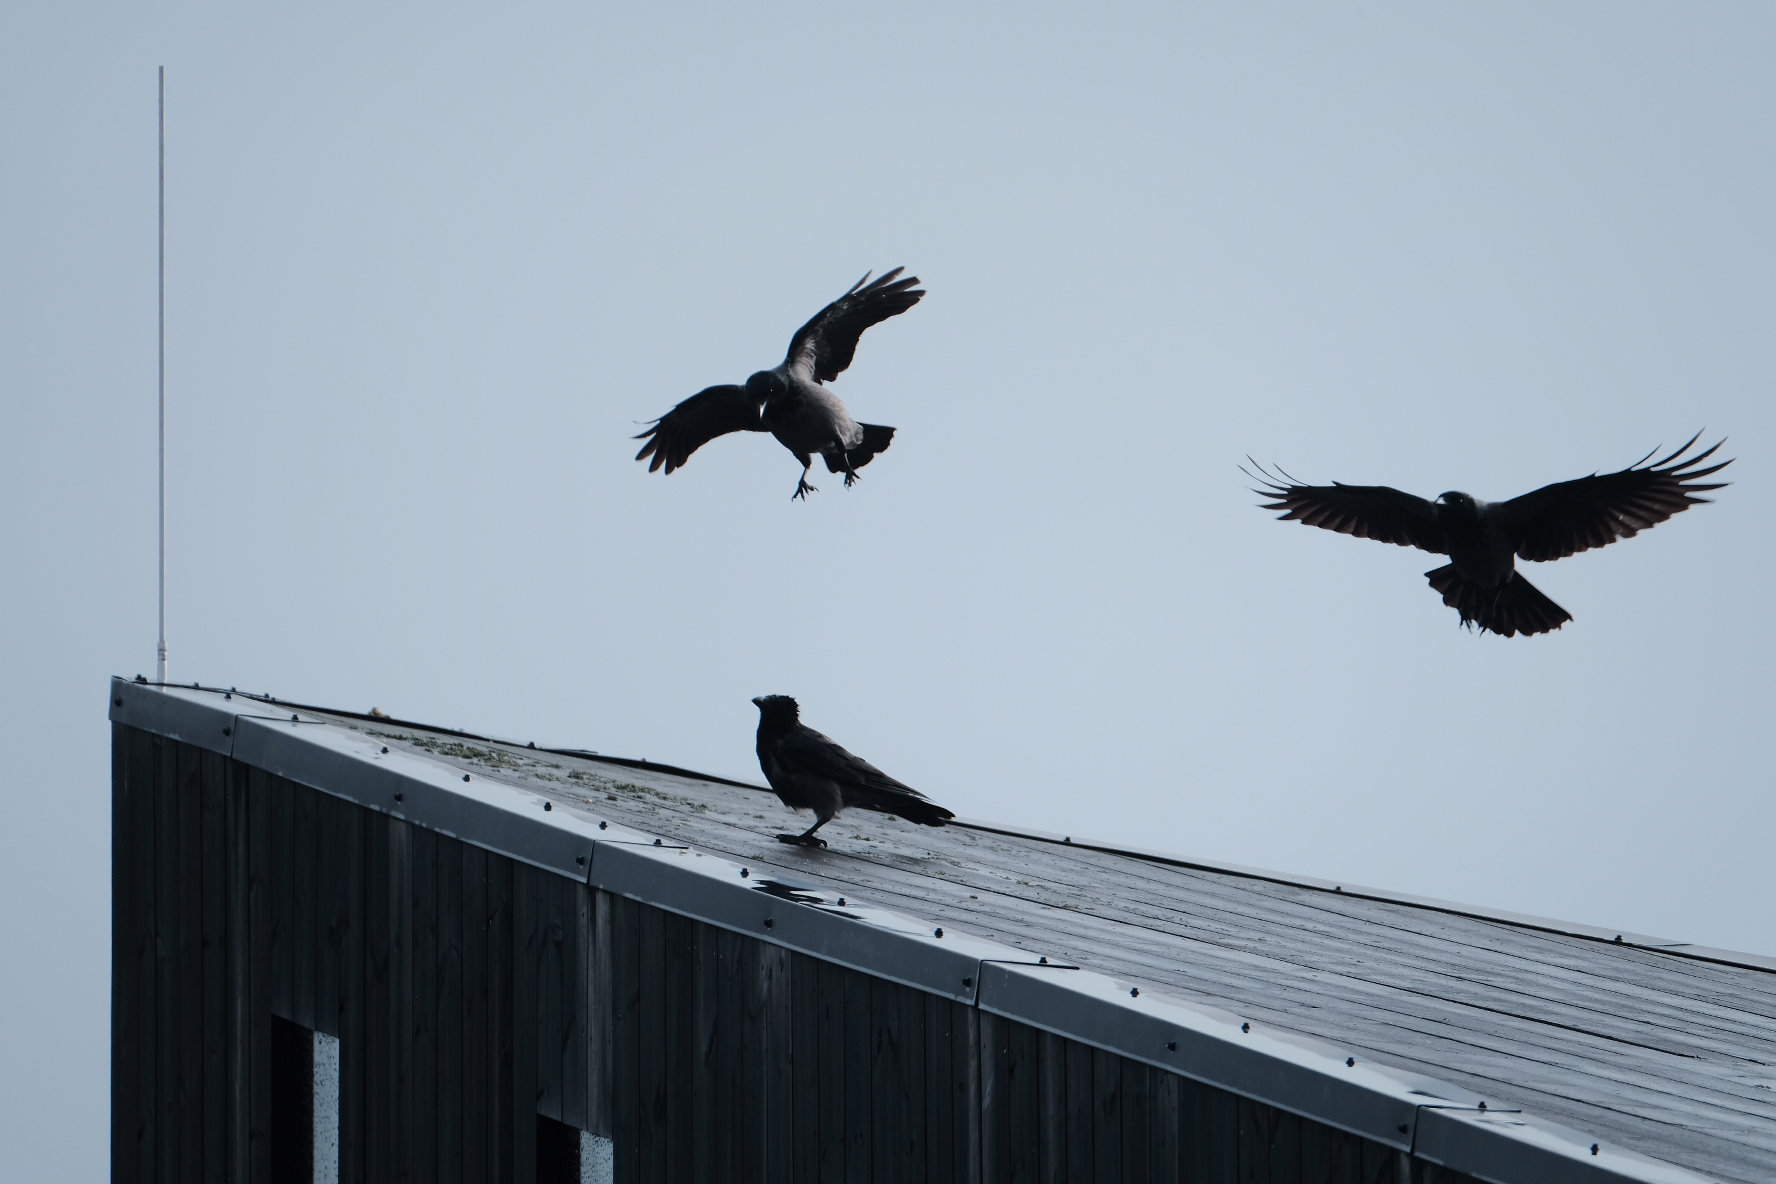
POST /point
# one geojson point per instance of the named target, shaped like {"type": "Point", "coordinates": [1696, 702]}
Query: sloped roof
{"type": "Point", "coordinates": [1351, 1006]}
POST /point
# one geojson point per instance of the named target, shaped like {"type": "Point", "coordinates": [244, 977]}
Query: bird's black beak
{"type": "Point", "coordinates": [757, 701]}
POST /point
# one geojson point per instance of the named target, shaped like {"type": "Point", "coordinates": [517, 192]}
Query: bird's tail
{"type": "Point", "coordinates": [911, 806]}
{"type": "Point", "coordinates": [1516, 606]}
{"type": "Point", "coordinates": [876, 438]}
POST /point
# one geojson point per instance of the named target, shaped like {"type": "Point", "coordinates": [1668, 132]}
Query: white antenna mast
{"type": "Point", "coordinates": [162, 667]}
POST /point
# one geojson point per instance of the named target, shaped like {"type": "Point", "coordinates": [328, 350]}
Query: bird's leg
{"type": "Point", "coordinates": [803, 489]}
{"type": "Point", "coordinates": [806, 838]}
{"type": "Point", "coordinates": [850, 473]}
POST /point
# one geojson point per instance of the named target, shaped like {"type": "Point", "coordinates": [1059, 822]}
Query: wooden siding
{"type": "Point", "coordinates": [472, 994]}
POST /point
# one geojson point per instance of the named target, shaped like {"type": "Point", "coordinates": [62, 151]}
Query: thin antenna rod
{"type": "Point", "coordinates": [162, 677]}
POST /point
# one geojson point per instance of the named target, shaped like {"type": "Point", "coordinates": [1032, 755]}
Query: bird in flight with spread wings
{"type": "Point", "coordinates": [811, 772]}
{"type": "Point", "coordinates": [1485, 539]}
{"type": "Point", "coordinates": [789, 401]}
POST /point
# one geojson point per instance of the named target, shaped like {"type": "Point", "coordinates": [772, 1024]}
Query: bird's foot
{"type": "Point", "coordinates": [803, 489]}
{"type": "Point", "coordinates": [850, 480]}
{"type": "Point", "coordinates": [801, 840]}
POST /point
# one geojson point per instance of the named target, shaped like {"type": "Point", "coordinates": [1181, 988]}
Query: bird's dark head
{"type": "Point", "coordinates": [1458, 506]}
{"type": "Point", "coordinates": [766, 385]}
{"type": "Point", "coordinates": [777, 709]}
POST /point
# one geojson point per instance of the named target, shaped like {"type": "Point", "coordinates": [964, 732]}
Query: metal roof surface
{"type": "Point", "coordinates": [1644, 1048]}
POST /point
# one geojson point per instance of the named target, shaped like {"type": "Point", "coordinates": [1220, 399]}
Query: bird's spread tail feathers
{"type": "Point", "coordinates": [1516, 606]}
{"type": "Point", "coordinates": [876, 438]}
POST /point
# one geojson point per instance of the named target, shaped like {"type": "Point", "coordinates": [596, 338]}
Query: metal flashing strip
{"type": "Point", "coordinates": [1507, 1147]}
{"type": "Point", "coordinates": [1282, 1069]}
{"type": "Point", "coordinates": [802, 917]}
{"type": "Point", "coordinates": [203, 719]}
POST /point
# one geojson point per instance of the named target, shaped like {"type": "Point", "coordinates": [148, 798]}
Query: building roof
{"type": "Point", "coordinates": [1509, 1047]}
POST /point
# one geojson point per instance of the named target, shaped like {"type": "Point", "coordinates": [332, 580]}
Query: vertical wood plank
{"type": "Point", "coordinates": [529, 939]}
{"type": "Point", "coordinates": [280, 879]}
{"type": "Point", "coordinates": [1056, 1128]}
{"type": "Point", "coordinates": [830, 1095]}
{"type": "Point", "coordinates": [1137, 1121]}
{"type": "Point", "coordinates": [1285, 1148]}
{"type": "Point", "coordinates": [1164, 1131]}
{"type": "Point", "coordinates": [1378, 1163]}
{"type": "Point", "coordinates": [424, 976]}
{"type": "Point", "coordinates": [1106, 1112]}
{"type": "Point", "coordinates": [1194, 1164]}
{"type": "Point", "coordinates": [449, 1011]}
{"type": "Point", "coordinates": [576, 1037]}
{"type": "Point", "coordinates": [751, 1073]}
{"type": "Point", "coordinates": [730, 1023]}
{"type": "Point", "coordinates": [477, 1023]}
{"type": "Point", "coordinates": [601, 990]}
{"type": "Point", "coordinates": [214, 972]}
{"type": "Point", "coordinates": [502, 952]}
{"type": "Point", "coordinates": [804, 1016]}
{"type": "Point", "coordinates": [1081, 1148]}
{"type": "Point", "coordinates": [996, 1099]}
{"type": "Point", "coordinates": [780, 1062]}
{"type": "Point", "coordinates": [967, 1092]}
{"type": "Point", "coordinates": [650, 1148]}
{"type": "Point", "coordinates": [551, 1004]}
{"type": "Point", "coordinates": [304, 904]}
{"type": "Point", "coordinates": [188, 952]}
{"type": "Point", "coordinates": [936, 1033]}
{"type": "Point", "coordinates": [1220, 1134]}
{"type": "Point", "coordinates": [1254, 1141]}
{"type": "Point", "coordinates": [260, 908]}
{"type": "Point", "coordinates": [1037, 1115]}
{"type": "Point", "coordinates": [132, 999]}
{"type": "Point", "coordinates": [383, 1026]}
{"type": "Point", "coordinates": [166, 964]}
{"type": "Point", "coordinates": [625, 945]}
{"type": "Point", "coordinates": [691, 977]}
{"type": "Point", "coordinates": [854, 989]}
{"type": "Point", "coordinates": [886, 1117]}
{"type": "Point", "coordinates": [344, 830]}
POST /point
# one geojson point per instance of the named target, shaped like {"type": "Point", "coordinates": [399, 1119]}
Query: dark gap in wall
{"type": "Point", "coordinates": [558, 1152]}
{"type": "Point", "coordinates": [292, 1103]}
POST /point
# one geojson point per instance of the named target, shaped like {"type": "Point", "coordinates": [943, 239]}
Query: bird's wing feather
{"type": "Point", "coordinates": [1364, 511]}
{"type": "Point", "coordinates": [707, 414]}
{"type": "Point", "coordinates": [824, 347]}
{"type": "Point", "coordinates": [1572, 516]}
{"type": "Point", "coordinates": [803, 750]}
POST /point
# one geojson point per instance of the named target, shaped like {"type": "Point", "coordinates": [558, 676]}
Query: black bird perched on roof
{"type": "Point", "coordinates": [789, 401]}
{"type": "Point", "coordinates": [1484, 540]}
{"type": "Point", "coordinates": [811, 772]}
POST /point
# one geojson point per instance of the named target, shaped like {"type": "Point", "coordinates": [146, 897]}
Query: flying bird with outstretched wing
{"type": "Point", "coordinates": [1485, 539]}
{"type": "Point", "coordinates": [790, 401]}
{"type": "Point", "coordinates": [810, 771]}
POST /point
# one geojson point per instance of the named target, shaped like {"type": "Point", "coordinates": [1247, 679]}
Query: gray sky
{"type": "Point", "coordinates": [427, 270]}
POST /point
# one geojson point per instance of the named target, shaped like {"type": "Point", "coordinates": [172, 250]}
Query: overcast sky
{"type": "Point", "coordinates": [428, 266]}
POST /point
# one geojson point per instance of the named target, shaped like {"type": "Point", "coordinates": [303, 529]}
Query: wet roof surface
{"type": "Point", "coordinates": [1671, 1056]}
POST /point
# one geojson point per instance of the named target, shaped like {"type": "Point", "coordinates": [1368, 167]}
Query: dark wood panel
{"type": "Point", "coordinates": [261, 906]}
{"type": "Point", "coordinates": [214, 970]}
{"type": "Point", "coordinates": [478, 1062]}
{"type": "Point", "coordinates": [305, 860]}
{"type": "Point", "coordinates": [425, 979]}
{"type": "Point", "coordinates": [530, 933]}
{"type": "Point", "coordinates": [625, 946]}
{"type": "Point", "coordinates": [281, 901]}
{"type": "Point", "coordinates": [448, 1011]}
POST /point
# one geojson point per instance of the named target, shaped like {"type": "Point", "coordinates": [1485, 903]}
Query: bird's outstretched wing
{"type": "Point", "coordinates": [698, 420]}
{"type": "Point", "coordinates": [1365, 511]}
{"type": "Point", "coordinates": [824, 347]}
{"type": "Point", "coordinates": [1572, 516]}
